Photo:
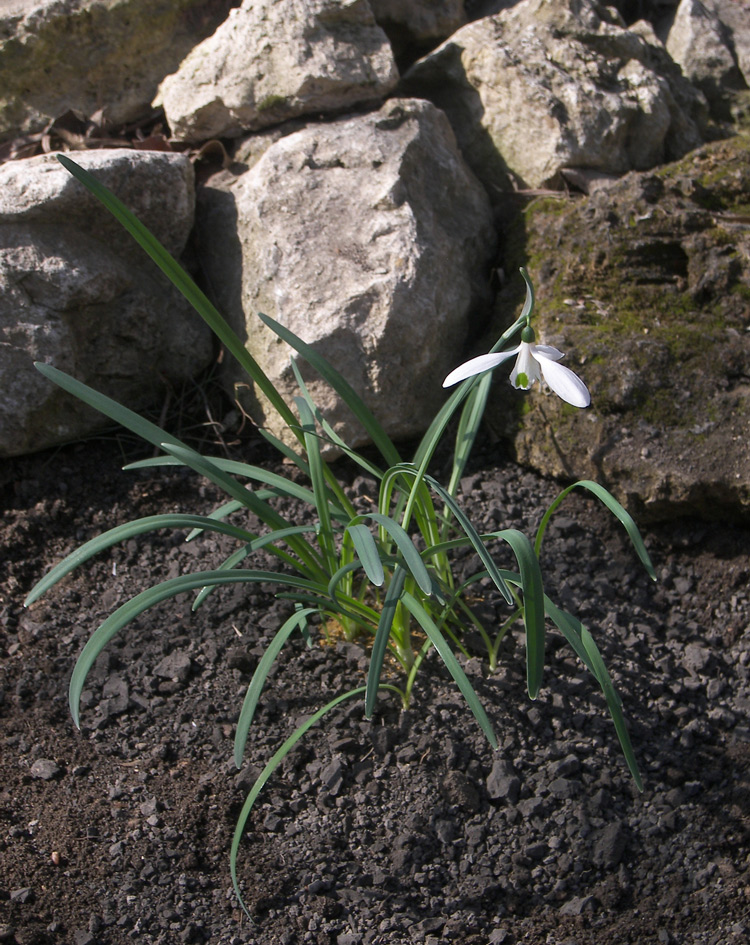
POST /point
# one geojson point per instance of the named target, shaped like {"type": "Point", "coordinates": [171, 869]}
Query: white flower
{"type": "Point", "coordinates": [534, 363]}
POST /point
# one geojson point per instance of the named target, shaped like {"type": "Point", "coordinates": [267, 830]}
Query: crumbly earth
{"type": "Point", "coordinates": [404, 829]}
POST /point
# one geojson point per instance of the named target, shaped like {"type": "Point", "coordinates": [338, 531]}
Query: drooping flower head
{"type": "Point", "coordinates": [533, 363]}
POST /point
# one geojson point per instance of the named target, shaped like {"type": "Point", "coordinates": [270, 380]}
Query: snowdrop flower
{"type": "Point", "coordinates": [534, 363]}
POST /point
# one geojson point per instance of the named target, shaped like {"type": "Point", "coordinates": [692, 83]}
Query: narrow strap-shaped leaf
{"type": "Point", "coordinates": [260, 675]}
{"type": "Point", "coordinates": [330, 435]}
{"type": "Point", "coordinates": [454, 667]}
{"type": "Point", "coordinates": [280, 485]}
{"type": "Point", "coordinates": [342, 387]}
{"type": "Point", "coordinates": [613, 704]}
{"type": "Point", "coordinates": [474, 537]}
{"type": "Point", "coordinates": [468, 427]}
{"type": "Point", "coordinates": [412, 558]}
{"type": "Point", "coordinates": [122, 533]}
{"type": "Point", "coordinates": [621, 514]}
{"type": "Point", "coordinates": [317, 476]}
{"type": "Point", "coordinates": [233, 561]}
{"type": "Point", "coordinates": [416, 493]}
{"type": "Point", "coordinates": [571, 628]}
{"type": "Point", "coordinates": [259, 541]}
{"type": "Point", "coordinates": [110, 408]}
{"type": "Point", "coordinates": [533, 606]}
{"type": "Point", "coordinates": [350, 608]}
{"type": "Point", "coordinates": [204, 466]}
{"type": "Point", "coordinates": [338, 495]}
{"type": "Point", "coordinates": [339, 575]}
{"type": "Point", "coordinates": [285, 450]}
{"type": "Point", "coordinates": [266, 773]}
{"type": "Point", "coordinates": [218, 515]}
{"type": "Point", "coordinates": [367, 552]}
{"type": "Point", "coordinates": [382, 635]}
{"type": "Point", "coordinates": [249, 499]}
{"type": "Point", "coordinates": [583, 644]}
{"type": "Point", "coordinates": [182, 282]}
{"type": "Point", "coordinates": [154, 595]}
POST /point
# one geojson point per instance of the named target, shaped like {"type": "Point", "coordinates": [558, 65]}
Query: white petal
{"type": "Point", "coordinates": [526, 369]}
{"type": "Point", "coordinates": [485, 362]}
{"type": "Point", "coordinates": [565, 383]}
{"type": "Point", "coordinates": [547, 351]}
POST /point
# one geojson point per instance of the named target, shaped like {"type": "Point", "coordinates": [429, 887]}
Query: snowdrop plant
{"type": "Point", "coordinates": [385, 575]}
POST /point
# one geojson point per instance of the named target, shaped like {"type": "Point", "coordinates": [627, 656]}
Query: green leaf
{"type": "Point", "coordinates": [279, 485]}
{"type": "Point", "coordinates": [154, 595]}
{"type": "Point", "coordinates": [338, 577]}
{"type": "Point", "coordinates": [250, 500]}
{"type": "Point", "coordinates": [266, 773]}
{"type": "Point", "coordinates": [454, 668]}
{"type": "Point", "coordinates": [258, 541]}
{"type": "Point", "coordinates": [347, 393]}
{"type": "Point", "coordinates": [123, 533]}
{"type": "Point", "coordinates": [183, 283]}
{"type": "Point", "coordinates": [218, 515]}
{"type": "Point", "coordinates": [583, 644]}
{"type": "Point", "coordinates": [614, 507]}
{"type": "Point", "coordinates": [416, 495]}
{"type": "Point", "coordinates": [412, 558]}
{"type": "Point", "coordinates": [533, 606]}
{"type": "Point", "coordinates": [330, 436]}
{"type": "Point", "coordinates": [110, 408]}
{"type": "Point", "coordinates": [285, 450]}
{"type": "Point", "coordinates": [233, 561]}
{"type": "Point", "coordinates": [382, 635]}
{"type": "Point", "coordinates": [473, 535]}
{"type": "Point", "coordinates": [613, 704]}
{"type": "Point", "coordinates": [367, 552]}
{"type": "Point", "coordinates": [260, 675]}
{"type": "Point", "coordinates": [468, 427]}
{"type": "Point", "coordinates": [317, 475]}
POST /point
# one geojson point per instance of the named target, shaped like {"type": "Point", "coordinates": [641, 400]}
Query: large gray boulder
{"type": "Point", "coordinates": [550, 84]}
{"type": "Point", "coordinates": [710, 39]}
{"type": "Point", "coordinates": [646, 287]}
{"type": "Point", "coordinates": [273, 60]}
{"type": "Point", "coordinates": [370, 239]}
{"type": "Point", "coordinates": [77, 292]}
{"type": "Point", "coordinates": [57, 55]}
{"type": "Point", "coordinates": [419, 24]}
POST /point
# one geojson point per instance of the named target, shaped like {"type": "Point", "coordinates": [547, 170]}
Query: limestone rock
{"type": "Point", "coordinates": [77, 292]}
{"type": "Point", "coordinates": [646, 287]}
{"type": "Point", "coordinates": [550, 84]}
{"type": "Point", "coordinates": [370, 239]}
{"type": "Point", "coordinates": [419, 23]}
{"type": "Point", "coordinates": [422, 19]}
{"type": "Point", "coordinates": [703, 45]}
{"type": "Point", "coordinates": [735, 15]}
{"type": "Point", "coordinates": [127, 47]}
{"type": "Point", "coordinates": [271, 61]}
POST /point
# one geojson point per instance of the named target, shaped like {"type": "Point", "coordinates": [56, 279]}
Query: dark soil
{"type": "Point", "coordinates": [404, 829]}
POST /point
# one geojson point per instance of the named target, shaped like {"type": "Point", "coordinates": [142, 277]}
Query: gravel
{"type": "Point", "coordinates": [406, 828]}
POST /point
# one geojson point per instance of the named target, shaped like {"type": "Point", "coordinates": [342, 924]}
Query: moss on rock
{"type": "Point", "coordinates": [646, 287]}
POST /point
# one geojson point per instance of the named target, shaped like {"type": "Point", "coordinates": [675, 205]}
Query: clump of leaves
{"type": "Point", "coordinates": [385, 574]}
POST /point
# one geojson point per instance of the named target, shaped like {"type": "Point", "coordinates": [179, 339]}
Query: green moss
{"type": "Point", "coordinates": [269, 102]}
